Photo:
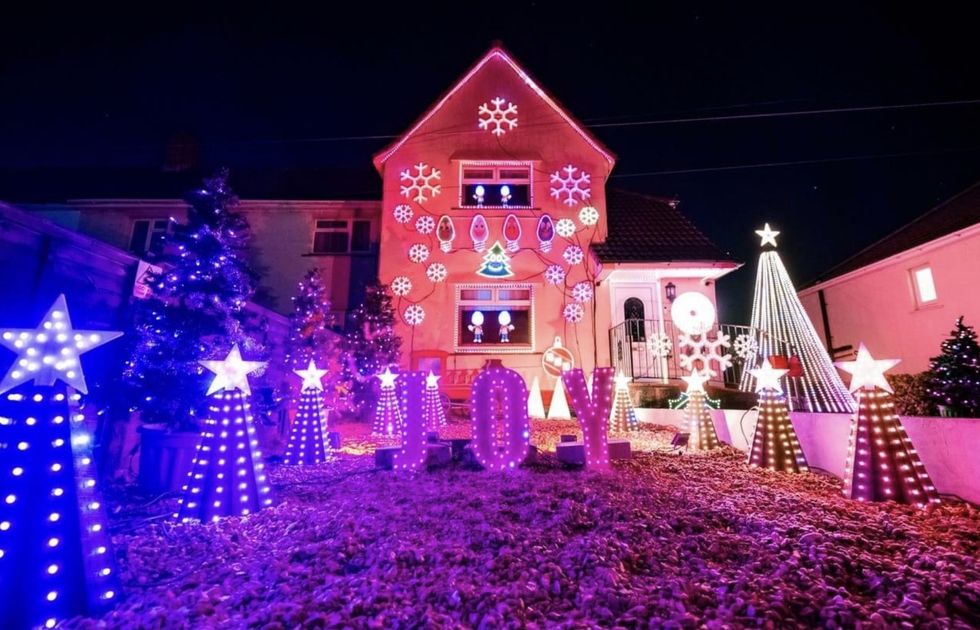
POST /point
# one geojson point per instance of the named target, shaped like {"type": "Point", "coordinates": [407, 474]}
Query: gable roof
{"type": "Point", "coordinates": [952, 215]}
{"type": "Point", "coordinates": [496, 52]}
{"type": "Point", "coordinates": [643, 228]}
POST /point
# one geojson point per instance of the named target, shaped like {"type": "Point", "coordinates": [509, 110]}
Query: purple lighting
{"type": "Point", "coordinates": [592, 412]}
{"type": "Point", "coordinates": [499, 394]}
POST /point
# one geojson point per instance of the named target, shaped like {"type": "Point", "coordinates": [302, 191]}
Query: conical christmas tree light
{"type": "Point", "coordinates": [779, 316]}
{"type": "Point", "coordinates": [387, 415]}
{"type": "Point", "coordinates": [703, 435]}
{"type": "Point", "coordinates": [775, 445]}
{"type": "Point", "coordinates": [535, 405]}
{"type": "Point", "coordinates": [433, 415]}
{"type": "Point", "coordinates": [622, 418]}
{"type": "Point", "coordinates": [881, 465]}
{"type": "Point", "coordinates": [558, 409]}
{"type": "Point", "coordinates": [227, 477]}
{"type": "Point", "coordinates": [308, 435]}
{"type": "Point", "coordinates": [56, 560]}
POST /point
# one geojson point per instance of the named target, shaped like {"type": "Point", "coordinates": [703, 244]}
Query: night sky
{"type": "Point", "coordinates": [89, 100]}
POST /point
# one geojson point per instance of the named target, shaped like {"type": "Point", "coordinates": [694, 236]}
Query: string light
{"type": "Point", "coordinates": [703, 435]}
{"type": "Point", "coordinates": [501, 429]}
{"type": "Point", "coordinates": [622, 418]}
{"type": "Point", "coordinates": [775, 445]}
{"type": "Point", "coordinates": [388, 419]}
{"type": "Point", "coordinates": [308, 434]}
{"type": "Point", "coordinates": [592, 410]}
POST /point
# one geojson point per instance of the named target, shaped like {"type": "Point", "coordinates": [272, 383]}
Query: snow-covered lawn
{"type": "Point", "coordinates": [661, 541]}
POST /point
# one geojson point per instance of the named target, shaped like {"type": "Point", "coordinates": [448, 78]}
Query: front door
{"type": "Point", "coordinates": [634, 311]}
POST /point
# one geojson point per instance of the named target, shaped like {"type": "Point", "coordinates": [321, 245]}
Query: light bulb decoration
{"type": "Point", "coordinates": [545, 233]}
{"type": "Point", "coordinates": [476, 326]}
{"type": "Point", "coordinates": [56, 557]}
{"type": "Point", "coordinates": [496, 263]}
{"type": "Point", "coordinates": [622, 418]}
{"type": "Point", "coordinates": [446, 233]}
{"type": "Point", "coordinates": [592, 410]}
{"type": "Point", "coordinates": [512, 233]}
{"type": "Point", "coordinates": [388, 420]}
{"type": "Point", "coordinates": [774, 445]}
{"type": "Point", "coordinates": [308, 434]}
{"type": "Point", "coordinates": [504, 321]}
{"type": "Point", "coordinates": [227, 476]}
{"type": "Point", "coordinates": [479, 232]}
{"type": "Point", "coordinates": [501, 430]}
{"type": "Point", "coordinates": [433, 414]}
{"type": "Point", "coordinates": [882, 464]}
{"type": "Point", "coordinates": [698, 417]}
{"type": "Point", "coordinates": [535, 404]}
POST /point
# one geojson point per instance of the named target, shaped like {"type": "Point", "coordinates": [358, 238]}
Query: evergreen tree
{"type": "Point", "coordinates": [311, 337]}
{"type": "Point", "coordinates": [370, 346]}
{"type": "Point", "coordinates": [954, 376]}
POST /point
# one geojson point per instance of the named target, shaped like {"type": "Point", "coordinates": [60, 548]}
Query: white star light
{"type": "Point", "coordinates": [767, 377]}
{"type": "Point", "coordinates": [431, 381]}
{"type": "Point", "coordinates": [866, 371]}
{"type": "Point", "coordinates": [232, 373]}
{"type": "Point", "coordinates": [311, 377]}
{"type": "Point", "coordinates": [695, 382]}
{"type": "Point", "coordinates": [622, 381]}
{"type": "Point", "coordinates": [768, 235]}
{"type": "Point", "coordinates": [387, 378]}
{"type": "Point", "coordinates": [51, 352]}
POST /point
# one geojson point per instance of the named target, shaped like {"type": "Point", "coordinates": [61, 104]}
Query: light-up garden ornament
{"type": "Point", "coordinates": [419, 181]}
{"type": "Point", "coordinates": [403, 213]}
{"type": "Point", "coordinates": [308, 434]}
{"type": "Point", "coordinates": [535, 404]}
{"type": "Point", "coordinates": [774, 445]}
{"type": "Point", "coordinates": [501, 430]}
{"type": "Point", "coordinates": [882, 464]}
{"type": "Point", "coordinates": [418, 253]}
{"type": "Point", "coordinates": [496, 263]}
{"type": "Point", "coordinates": [592, 410]}
{"type": "Point", "coordinates": [588, 215]}
{"type": "Point", "coordinates": [411, 400]}
{"type": "Point", "coordinates": [446, 233]}
{"type": "Point", "coordinates": [573, 255]}
{"type": "Point", "coordinates": [554, 274]}
{"type": "Point", "coordinates": [414, 315]}
{"type": "Point", "coordinates": [479, 232]}
{"type": "Point", "coordinates": [512, 233]}
{"type": "Point", "coordinates": [497, 117]}
{"type": "Point", "coordinates": [565, 228]}
{"type": "Point", "coordinates": [545, 233]}
{"type": "Point", "coordinates": [56, 558]}
{"type": "Point", "coordinates": [436, 272]}
{"type": "Point", "coordinates": [702, 428]}
{"type": "Point", "coordinates": [622, 418]}
{"type": "Point", "coordinates": [425, 224]}
{"type": "Point", "coordinates": [570, 185]}
{"type": "Point", "coordinates": [401, 286]}
{"type": "Point", "coordinates": [476, 326]}
{"type": "Point", "coordinates": [433, 414]}
{"type": "Point", "coordinates": [573, 313]}
{"type": "Point", "coordinates": [227, 477]}
{"type": "Point", "coordinates": [388, 420]}
{"type": "Point", "coordinates": [505, 327]}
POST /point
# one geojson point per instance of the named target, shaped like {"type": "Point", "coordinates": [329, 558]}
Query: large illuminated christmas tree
{"type": "Point", "coordinates": [433, 415]}
{"type": "Point", "coordinates": [311, 337]}
{"type": "Point", "coordinates": [388, 419]}
{"type": "Point", "coordinates": [881, 465]}
{"type": "Point", "coordinates": [370, 346]}
{"type": "Point", "coordinates": [702, 427]}
{"type": "Point", "coordinates": [56, 557]}
{"type": "Point", "coordinates": [227, 477]}
{"type": "Point", "coordinates": [779, 317]}
{"type": "Point", "coordinates": [308, 433]}
{"type": "Point", "coordinates": [774, 445]}
{"type": "Point", "coordinates": [622, 419]}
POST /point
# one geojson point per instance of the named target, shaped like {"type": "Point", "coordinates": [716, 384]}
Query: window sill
{"type": "Point", "coordinates": [492, 348]}
{"type": "Point", "coordinates": [931, 306]}
{"type": "Point", "coordinates": [348, 254]}
{"type": "Point", "coordinates": [495, 208]}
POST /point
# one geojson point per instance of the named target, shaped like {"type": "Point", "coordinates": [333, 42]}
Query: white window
{"type": "Point", "coordinates": [495, 185]}
{"type": "Point", "coordinates": [341, 236]}
{"type": "Point", "coordinates": [496, 318]}
{"type": "Point", "coordinates": [147, 235]}
{"type": "Point", "coordinates": [925, 287]}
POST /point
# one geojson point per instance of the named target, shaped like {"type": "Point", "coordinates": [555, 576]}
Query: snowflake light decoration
{"type": "Point", "coordinates": [414, 315]}
{"type": "Point", "coordinates": [421, 182]}
{"type": "Point", "coordinates": [703, 352]}
{"type": "Point", "coordinates": [745, 346]}
{"type": "Point", "coordinates": [571, 183]}
{"type": "Point", "coordinates": [582, 292]}
{"type": "Point", "coordinates": [554, 274]}
{"type": "Point", "coordinates": [436, 272]}
{"type": "Point", "coordinates": [403, 213]}
{"type": "Point", "coordinates": [588, 215]}
{"type": "Point", "coordinates": [573, 255]}
{"type": "Point", "coordinates": [573, 313]}
{"type": "Point", "coordinates": [494, 116]}
{"type": "Point", "coordinates": [418, 253]}
{"type": "Point", "coordinates": [401, 285]}
{"type": "Point", "coordinates": [425, 224]}
{"type": "Point", "coordinates": [659, 346]}
{"type": "Point", "coordinates": [565, 228]}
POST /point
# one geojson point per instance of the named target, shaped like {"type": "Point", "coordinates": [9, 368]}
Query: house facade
{"type": "Point", "coordinates": [902, 295]}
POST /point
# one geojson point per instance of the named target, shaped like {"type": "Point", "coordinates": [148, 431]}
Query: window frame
{"type": "Point", "coordinates": [496, 166]}
{"type": "Point", "coordinates": [920, 302]}
{"type": "Point", "coordinates": [151, 231]}
{"type": "Point", "coordinates": [494, 348]}
{"type": "Point", "coordinates": [348, 229]}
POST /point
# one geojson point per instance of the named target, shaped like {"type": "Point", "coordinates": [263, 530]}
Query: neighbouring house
{"type": "Point", "coordinates": [901, 296]}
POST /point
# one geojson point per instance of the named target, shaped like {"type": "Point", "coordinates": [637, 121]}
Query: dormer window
{"type": "Point", "coordinates": [495, 185]}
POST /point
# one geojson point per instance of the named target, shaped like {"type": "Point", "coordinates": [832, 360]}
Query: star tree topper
{"type": "Point", "coordinates": [232, 373]}
{"type": "Point", "coordinates": [311, 377]}
{"type": "Point", "coordinates": [866, 371]}
{"type": "Point", "coordinates": [768, 235]}
{"type": "Point", "coordinates": [387, 378]}
{"type": "Point", "coordinates": [622, 381]}
{"type": "Point", "coordinates": [695, 382]}
{"type": "Point", "coordinates": [767, 377]}
{"type": "Point", "coordinates": [431, 381]}
{"type": "Point", "coordinates": [51, 352]}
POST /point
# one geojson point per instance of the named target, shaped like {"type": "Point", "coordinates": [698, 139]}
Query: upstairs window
{"type": "Point", "coordinates": [147, 235]}
{"type": "Point", "coordinates": [341, 236]}
{"type": "Point", "coordinates": [495, 185]}
{"type": "Point", "coordinates": [925, 287]}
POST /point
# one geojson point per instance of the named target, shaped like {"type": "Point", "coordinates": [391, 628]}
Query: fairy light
{"type": "Point", "coordinates": [501, 429]}
{"type": "Point", "coordinates": [775, 445]}
{"type": "Point", "coordinates": [388, 418]}
{"type": "Point", "coordinates": [592, 410]}
{"type": "Point", "coordinates": [433, 415]}
{"type": "Point", "coordinates": [308, 435]}
{"type": "Point", "coordinates": [698, 418]}
{"type": "Point", "coordinates": [411, 394]}
{"type": "Point", "coordinates": [622, 418]}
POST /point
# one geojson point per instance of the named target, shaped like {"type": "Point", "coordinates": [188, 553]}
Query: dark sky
{"type": "Point", "coordinates": [97, 90]}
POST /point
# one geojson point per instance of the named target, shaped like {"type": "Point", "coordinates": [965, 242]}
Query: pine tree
{"type": "Point", "coordinates": [195, 309]}
{"type": "Point", "coordinates": [954, 376]}
{"type": "Point", "coordinates": [370, 346]}
{"type": "Point", "coordinates": [311, 335]}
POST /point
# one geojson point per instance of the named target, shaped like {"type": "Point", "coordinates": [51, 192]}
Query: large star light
{"type": "Point", "coordinates": [51, 352]}
{"type": "Point", "coordinates": [695, 382]}
{"type": "Point", "coordinates": [768, 235]}
{"type": "Point", "coordinates": [767, 377]}
{"type": "Point", "coordinates": [866, 371]}
{"type": "Point", "coordinates": [232, 373]}
{"type": "Point", "coordinates": [431, 381]}
{"type": "Point", "coordinates": [622, 381]}
{"type": "Point", "coordinates": [311, 377]}
{"type": "Point", "coordinates": [387, 378]}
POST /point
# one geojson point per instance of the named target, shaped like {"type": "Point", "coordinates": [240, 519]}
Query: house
{"type": "Point", "coordinates": [902, 295]}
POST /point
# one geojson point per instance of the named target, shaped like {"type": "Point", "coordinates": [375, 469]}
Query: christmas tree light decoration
{"type": "Point", "coordinates": [573, 255]}
{"type": "Point", "coordinates": [227, 476]}
{"type": "Point", "coordinates": [479, 232]}
{"type": "Point", "coordinates": [774, 445]}
{"type": "Point", "coordinates": [414, 315]}
{"type": "Point", "coordinates": [882, 464]}
{"type": "Point", "coordinates": [388, 420]}
{"type": "Point", "coordinates": [582, 292]}
{"type": "Point", "coordinates": [512, 233]}
{"type": "Point", "coordinates": [403, 213]}
{"type": "Point", "coordinates": [308, 434]}
{"type": "Point", "coordinates": [573, 313]}
{"type": "Point", "coordinates": [623, 418]}
{"type": "Point", "coordinates": [411, 396]}
{"type": "Point", "coordinates": [495, 117]}
{"type": "Point", "coordinates": [56, 560]}
{"type": "Point", "coordinates": [418, 253]}
{"type": "Point", "coordinates": [565, 228]}
{"type": "Point", "coordinates": [588, 215]}
{"type": "Point", "coordinates": [545, 232]}
{"type": "Point", "coordinates": [436, 272]}
{"type": "Point", "coordinates": [425, 224]}
{"type": "Point", "coordinates": [954, 376]}
{"type": "Point", "coordinates": [554, 274]}
{"type": "Point", "coordinates": [496, 263]}
{"type": "Point", "coordinates": [501, 430]}
{"type": "Point", "coordinates": [768, 235]}
{"type": "Point", "coordinates": [535, 404]}
{"type": "Point", "coordinates": [420, 181]}
{"type": "Point", "coordinates": [558, 409]}
{"type": "Point", "coordinates": [446, 233]}
{"type": "Point", "coordinates": [401, 286]}
{"type": "Point", "coordinates": [503, 320]}
{"type": "Point", "coordinates": [476, 326]}
{"type": "Point", "coordinates": [592, 410]}
{"type": "Point", "coordinates": [433, 415]}
{"type": "Point", "coordinates": [570, 185]}
{"type": "Point", "coordinates": [703, 435]}
{"type": "Point", "coordinates": [780, 319]}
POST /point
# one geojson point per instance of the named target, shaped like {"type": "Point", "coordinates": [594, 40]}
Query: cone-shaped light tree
{"type": "Point", "coordinates": [775, 445]}
{"type": "Point", "coordinates": [779, 317]}
{"type": "Point", "coordinates": [558, 409]}
{"type": "Point", "coordinates": [308, 435]}
{"type": "Point", "coordinates": [703, 435]}
{"type": "Point", "coordinates": [227, 477]}
{"type": "Point", "coordinates": [881, 465]}
{"type": "Point", "coordinates": [622, 419]}
{"type": "Point", "coordinates": [535, 404]}
{"type": "Point", "coordinates": [433, 415]}
{"type": "Point", "coordinates": [56, 559]}
{"type": "Point", "coordinates": [388, 419]}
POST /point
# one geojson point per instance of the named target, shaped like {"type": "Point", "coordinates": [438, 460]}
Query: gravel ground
{"type": "Point", "coordinates": [661, 541]}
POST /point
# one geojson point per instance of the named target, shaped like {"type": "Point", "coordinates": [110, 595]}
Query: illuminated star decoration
{"type": "Point", "coordinates": [51, 352]}
{"type": "Point", "coordinates": [431, 381]}
{"type": "Point", "coordinates": [387, 378]}
{"type": "Point", "coordinates": [233, 372]}
{"type": "Point", "coordinates": [695, 382]}
{"type": "Point", "coordinates": [866, 371]}
{"type": "Point", "coordinates": [767, 377]}
{"type": "Point", "coordinates": [311, 377]}
{"type": "Point", "coordinates": [622, 381]}
{"type": "Point", "coordinates": [768, 235]}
